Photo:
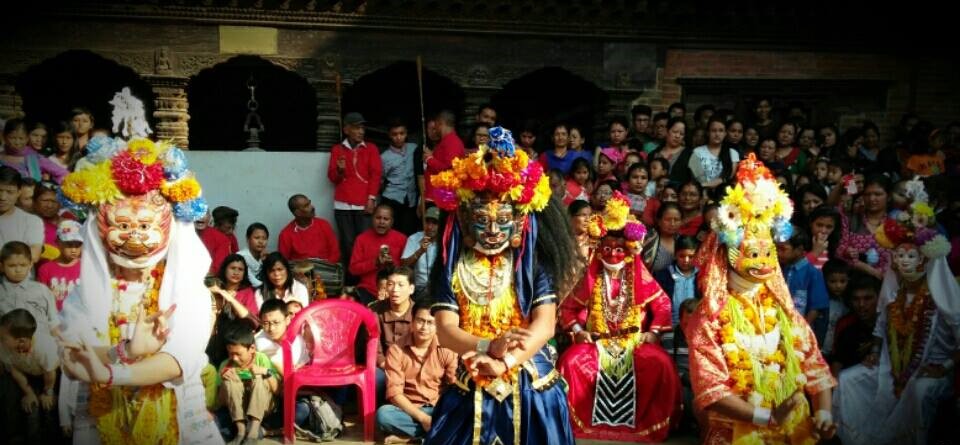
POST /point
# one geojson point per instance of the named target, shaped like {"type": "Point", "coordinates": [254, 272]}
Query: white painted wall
{"type": "Point", "coordinates": [258, 185]}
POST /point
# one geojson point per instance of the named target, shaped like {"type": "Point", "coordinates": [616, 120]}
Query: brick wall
{"type": "Point", "coordinates": [929, 86]}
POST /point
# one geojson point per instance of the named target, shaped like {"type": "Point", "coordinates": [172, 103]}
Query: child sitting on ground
{"type": "Point", "coordinates": [249, 382]}
{"type": "Point", "coordinates": [30, 356]}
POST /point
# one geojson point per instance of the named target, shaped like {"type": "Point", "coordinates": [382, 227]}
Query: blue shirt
{"type": "Point", "coordinates": [565, 163]}
{"type": "Point", "coordinates": [684, 288]}
{"type": "Point", "coordinates": [399, 182]}
{"type": "Point", "coordinates": [807, 287]}
{"type": "Point", "coordinates": [423, 265]}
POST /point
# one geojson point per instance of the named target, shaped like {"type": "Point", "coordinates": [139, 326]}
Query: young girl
{"type": "Point", "coordinates": [65, 147]}
{"type": "Point", "coordinates": [735, 135]}
{"type": "Point", "coordinates": [640, 205]}
{"type": "Point", "coordinates": [579, 182]}
{"type": "Point", "coordinates": [23, 158]}
{"type": "Point", "coordinates": [37, 138]}
{"type": "Point", "coordinates": [712, 164]}
{"type": "Point", "coordinates": [82, 120]}
{"type": "Point", "coordinates": [607, 162]}
{"type": "Point", "coordinates": [820, 169]}
{"type": "Point", "coordinates": [629, 159]}
{"type": "Point", "coordinates": [751, 140]}
{"type": "Point", "coordinates": [659, 168]}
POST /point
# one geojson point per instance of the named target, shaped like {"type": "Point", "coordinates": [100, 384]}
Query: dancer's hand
{"type": "Point", "coordinates": [29, 402]}
{"type": "Point", "coordinates": [823, 427]}
{"type": "Point", "coordinates": [780, 412]}
{"type": "Point", "coordinates": [81, 363]}
{"type": "Point", "coordinates": [512, 339]}
{"type": "Point", "coordinates": [483, 364]}
{"type": "Point", "coordinates": [150, 333]}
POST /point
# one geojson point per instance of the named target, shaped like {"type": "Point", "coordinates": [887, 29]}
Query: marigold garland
{"type": "Point", "coordinates": [762, 381]}
{"type": "Point", "coordinates": [597, 322]}
{"type": "Point", "coordinates": [489, 321]}
{"type": "Point", "coordinates": [154, 407]}
{"type": "Point", "coordinates": [904, 325]}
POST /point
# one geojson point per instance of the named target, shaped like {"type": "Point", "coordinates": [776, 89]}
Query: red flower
{"type": "Point", "coordinates": [133, 177]}
{"type": "Point", "coordinates": [896, 232]}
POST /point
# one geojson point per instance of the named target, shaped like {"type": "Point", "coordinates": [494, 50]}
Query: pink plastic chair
{"type": "Point", "coordinates": [333, 324]}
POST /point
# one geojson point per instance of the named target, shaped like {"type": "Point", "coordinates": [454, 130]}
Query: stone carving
{"type": "Point", "coordinates": [192, 64]}
{"type": "Point", "coordinates": [162, 64]}
{"type": "Point", "coordinates": [479, 76]}
{"type": "Point", "coordinates": [142, 62]}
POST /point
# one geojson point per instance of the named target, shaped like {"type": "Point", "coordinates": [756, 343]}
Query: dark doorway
{"type": "Point", "coordinates": [218, 99]}
{"type": "Point", "coordinates": [547, 96]}
{"type": "Point", "coordinates": [392, 92]}
{"type": "Point", "coordinates": [79, 78]}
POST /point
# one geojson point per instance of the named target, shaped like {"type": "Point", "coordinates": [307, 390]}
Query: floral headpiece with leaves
{"type": "Point", "coordinates": [114, 169]}
{"type": "Point", "coordinates": [756, 204]}
{"type": "Point", "coordinates": [496, 168]}
{"type": "Point", "coordinates": [915, 225]}
{"type": "Point", "coordinates": [616, 217]}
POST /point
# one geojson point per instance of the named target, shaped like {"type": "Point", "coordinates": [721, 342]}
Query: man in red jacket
{"type": "Point", "coordinates": [307, 236]}
{"type": "Point", "coordinates": [376, 248]}
{"type": "Point", "coordinates": [442, 156]}
{"type": "Point", "coordinates": [355, 171]}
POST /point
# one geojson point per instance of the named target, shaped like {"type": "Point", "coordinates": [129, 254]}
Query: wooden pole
{"type": "Point", "coordinates": [423, 113]}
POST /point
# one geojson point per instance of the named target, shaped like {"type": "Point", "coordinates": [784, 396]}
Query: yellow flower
{"type": "Point", "coordinates": [144, 150]}
{"type": "Point", "coordinates": [183, 190]}
{"type": "Point", "coordinates": [616, 214]}
{"type": "Point", "coordinates": [446, 179]}
{"type": "Point", "coordinates": [92, 185]}
{"type": "Point", "coordinates": [541, 196]}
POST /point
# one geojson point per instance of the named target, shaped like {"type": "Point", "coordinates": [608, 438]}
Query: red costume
{"type": "Point", "coordinates": [315, 241]}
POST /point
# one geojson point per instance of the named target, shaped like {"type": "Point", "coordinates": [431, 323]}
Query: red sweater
{"type": "Point", "coordinates": [219, 246]}
{"type": "Point", "coordinates": [315, 241]}
{"type": "Point", "coordinates": [361, 177]}
{"type": "Point", "coordinates": [449, 148]}
{"type": "Point", "coordinates": [366, 249]}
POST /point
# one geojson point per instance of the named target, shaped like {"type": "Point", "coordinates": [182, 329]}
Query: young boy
{"type": "Point", "coordinates": [249, 382]}
{"type": "Point", "coordinates": [62, 275]}
{"type": "Point", "coordinates": [17, 224]}
{"type": "Point", "coordinates": [679, 280]}
{"type": "Point", "coordinates": [30, 355]}
{"type": "Point", "coordinates": [836, 273]}
{"type": "Point", "coordinates": [17, 291]}
{"type": "Point", "coordinates": [804, 281]}
{"type": "Point", "coordinates": [854, 338]}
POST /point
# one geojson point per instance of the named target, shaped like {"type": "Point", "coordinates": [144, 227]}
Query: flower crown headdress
{"type": "Point", "coordinates": [914, 225]}
{"type": "Point", "coordinates": [115, 168]}
{"type": "Point", "coordinates": [497, 168]}
{"type": "Point", "coordinates": [616, 217]}
{"type": "Point", "coordinates": [755, 204]}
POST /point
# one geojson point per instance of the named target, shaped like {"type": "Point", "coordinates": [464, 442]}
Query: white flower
{"type": "Point", "coordinates": [774, 368]}
{"type": "Point", "coordinates": [728, 218]}
{"type": "Point", "coordinates": [936, 247]}
{"type": "Point", "coordinates": [801, 379]}
{"type": "Point", "coordinates": [914, 190]}
{"type": "Point", "coordinates": [729, 347]}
